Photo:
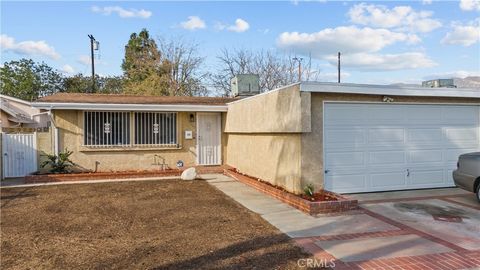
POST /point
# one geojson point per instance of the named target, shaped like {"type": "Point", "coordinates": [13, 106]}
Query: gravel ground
{"type": "Point", "coordinates": [166, 224]}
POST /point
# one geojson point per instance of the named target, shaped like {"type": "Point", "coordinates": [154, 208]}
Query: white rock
{"type": "Point", "coordinates": [189, 174]}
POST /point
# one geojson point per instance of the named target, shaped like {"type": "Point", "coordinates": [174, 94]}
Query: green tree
{"type": "Point", "coordinates": [82, 84]}
{"type": "Point", "coordinates": [28, 80]}
{"type": "Point", "coordinates": [141, 62]}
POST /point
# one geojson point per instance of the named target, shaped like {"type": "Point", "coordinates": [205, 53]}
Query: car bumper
{"type": "Point", "coordinates": [464, 181]}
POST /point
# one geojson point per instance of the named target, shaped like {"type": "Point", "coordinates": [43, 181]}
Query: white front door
{"type": "Point", "coordinates": [379, 147]}
{"type": "Point", "coordinates": [209, 132]}
{"type": "Point", "coordinates": [19, 154]}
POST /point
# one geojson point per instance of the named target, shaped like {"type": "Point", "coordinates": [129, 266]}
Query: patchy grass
{"type": "Point", "coordinates": [166, 224]}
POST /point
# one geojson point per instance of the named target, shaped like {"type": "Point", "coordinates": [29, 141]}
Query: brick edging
{"type": "Point", "coordinates": [49, 178]}
{"type": "Point", "coordinates": [342, 204]}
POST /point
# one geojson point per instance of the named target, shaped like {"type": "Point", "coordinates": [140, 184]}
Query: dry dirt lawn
{"type": "Point", "coordinates": [167, 224]}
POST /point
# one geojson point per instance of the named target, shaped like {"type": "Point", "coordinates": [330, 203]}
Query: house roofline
{"type": "Point", "coordinates": [15, 99]}
{"type": "Point", "coordinates": [129, 107]}
{"type": "Point", "coordinates": [388, 90]}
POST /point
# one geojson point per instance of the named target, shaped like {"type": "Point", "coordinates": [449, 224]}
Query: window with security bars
{"type": "Point", "coordinates": [155, 128]}
{"type": "Point", "coordinates": [106, 128]}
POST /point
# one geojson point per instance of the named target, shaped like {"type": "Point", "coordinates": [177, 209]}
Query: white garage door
{"type": "Point", "coordinates": [378, 147]}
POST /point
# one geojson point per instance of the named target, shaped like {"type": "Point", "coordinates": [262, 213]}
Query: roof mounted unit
{"type": "Point", "coordinates": [245, 85]}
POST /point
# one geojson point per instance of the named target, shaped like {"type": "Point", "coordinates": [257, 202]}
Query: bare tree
{"type": "Point", "coordinates": [275, 70]}
{"type": "Point", "coordinates": [182, 63]}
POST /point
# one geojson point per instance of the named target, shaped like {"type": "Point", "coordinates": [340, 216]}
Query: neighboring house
{"type": "Point", "coordinates": [341, 137]}
{"type": "Point", "coordinates": [15, 113]}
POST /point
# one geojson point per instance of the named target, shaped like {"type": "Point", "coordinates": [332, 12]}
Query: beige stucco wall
{"type": "Point", "coordinates": [263, 136]}
{"type": "Point", "coordinates": [44, 147]}
{"type": "Point", "coordinates": [70, 125]}
{"type": "Point", "coordinates": [278, 111]}
{"type": "Point", "coordinates": [312, 142]}
{"type": "Point", "coordinates": [271, 157]}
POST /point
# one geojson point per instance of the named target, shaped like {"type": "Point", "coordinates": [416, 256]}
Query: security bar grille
{"type": "Point", "coordinates": [155, 129]}
{"type": "Point", "coordinates": [106, 128]}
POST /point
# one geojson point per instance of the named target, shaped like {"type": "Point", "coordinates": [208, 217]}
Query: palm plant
{"type": "Point", "coordinates": [60, 163]}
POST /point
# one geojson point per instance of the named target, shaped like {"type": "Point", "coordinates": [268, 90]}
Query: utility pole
{"type": "Point", "coordinates": [92, 41]}
{"type": "Point", "coordinates": [338, 67]}
{"type": "Point", "coordinates": [299, 60]}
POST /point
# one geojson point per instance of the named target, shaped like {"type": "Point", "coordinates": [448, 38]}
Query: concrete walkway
{"type": "Point", "coordinates": [290, 220]}
{"type": "Point", "coordinates": [368, 238]}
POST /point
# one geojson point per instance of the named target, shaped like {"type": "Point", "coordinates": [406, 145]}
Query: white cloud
{"type": "Point", "coordinates": [400, 17]}
{"type": "Point", "coordinates": [452, 74]}
{"type": "Point", "coordinates": [123, 13]}
{"type": "Point", "coordinates": [68, 69]}
{"type": "Point", "coordinates": [384, 62]}
{"type": "Point", "coordinates": [84, 60]}
{"type": "Point", "coordinates": [465, 35]}
{"type": "Point", "coordinates": [469, 5]}
{"type": "Point", "coordinates": [296, 2]}
{"type": "Point", "coordinates": [427, 2]}
{"type": "Point", "coordinates": [239, 26]}
{"type": "Point", "coordinates": [28, 47]}
{"type": "Point", "coordinates": [193, 23]}
{"type": "Point", "coordinates": [346, 39]}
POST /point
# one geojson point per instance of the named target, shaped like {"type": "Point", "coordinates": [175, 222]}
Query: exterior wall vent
{"type": "Point", "coordinates": [245, 85]}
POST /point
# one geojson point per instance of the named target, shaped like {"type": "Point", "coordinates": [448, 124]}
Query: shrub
{"type": "Point", "coordinates": [309, 190]}
{"type": "Point", "coordinates": [60, 163]}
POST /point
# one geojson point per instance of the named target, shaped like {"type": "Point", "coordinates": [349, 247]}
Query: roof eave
{"type": "Point", "coordinates": [130, 107]}
{"type": "Point", "coordinates": [347, 88]}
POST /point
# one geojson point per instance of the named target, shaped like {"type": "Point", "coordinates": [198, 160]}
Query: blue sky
{"type": "Point", "coordinates": [381, 42]}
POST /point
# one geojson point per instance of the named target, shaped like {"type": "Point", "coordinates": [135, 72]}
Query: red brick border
{"type": "Point", "coordinates": [414, 231]}
{"type": "Point", "coordinates": [47, 178]}
{"type": "Point", "coordinates": [312, 208]}
{"type": "Point", "coordinates": [410, 199]}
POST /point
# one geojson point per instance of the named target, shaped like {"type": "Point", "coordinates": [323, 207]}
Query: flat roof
{"type": "Point", "coordinates": [388, 90]}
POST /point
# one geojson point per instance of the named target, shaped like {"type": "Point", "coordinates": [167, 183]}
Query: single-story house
{"type": "Point", "coordinates": [15, 112]}
{"type": "Point", "coordinates": [342, 137]}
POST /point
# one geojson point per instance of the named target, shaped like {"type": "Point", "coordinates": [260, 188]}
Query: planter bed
{"type": "Point", "coordinates": [47, 178]}
{"type": "Point", "coordinates": [334, 203]}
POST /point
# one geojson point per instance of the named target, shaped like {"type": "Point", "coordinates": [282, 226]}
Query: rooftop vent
{"type": "Point", "coordinates": [244, 85]}
{"type": "Point", "coordinates": [449, 83]}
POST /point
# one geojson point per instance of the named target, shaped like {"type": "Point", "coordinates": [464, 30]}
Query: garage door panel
{"type": "Point", "coordinates": [346, 159]}
{"type": "Point", "coordinates": [348, 182]}
{"type": "Point", "coordinates": [460, 114]}
{"type": "Point", "coordinates": [386, 135]}
{"type": "Point", "coordinates": [343, 114]}
{"type": "Point", "coordinates": [387, 158]}
{"type": "Point", "coordinates": [425, 156]}
{"type": "Point", "coordinates": [345, 136]}
{"type": "Point", "coordinates": [385, 114]}
{"type": "Point", "coordinates": [425, 135]}
{"type": "Point", "coordinates": [424, 114]}
{"type": "Point", "coordinates": [427, 177]}
{"type": "Point", "coordinates": [417, 147]}
{"type": "Point", "coordinates": [390, 180]}
{"type": "Point", "coordinates": [457, 134]}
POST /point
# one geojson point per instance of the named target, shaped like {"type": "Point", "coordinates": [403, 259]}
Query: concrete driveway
{"type": "Point", "coordinates": [420, 229]}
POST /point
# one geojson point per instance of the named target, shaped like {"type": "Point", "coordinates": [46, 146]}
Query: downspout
{"type": "Point", "coordinates": [55, 131]}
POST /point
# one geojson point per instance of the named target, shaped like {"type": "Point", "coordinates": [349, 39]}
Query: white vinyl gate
{"type": "Point", "coordinates": [19, 154]}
